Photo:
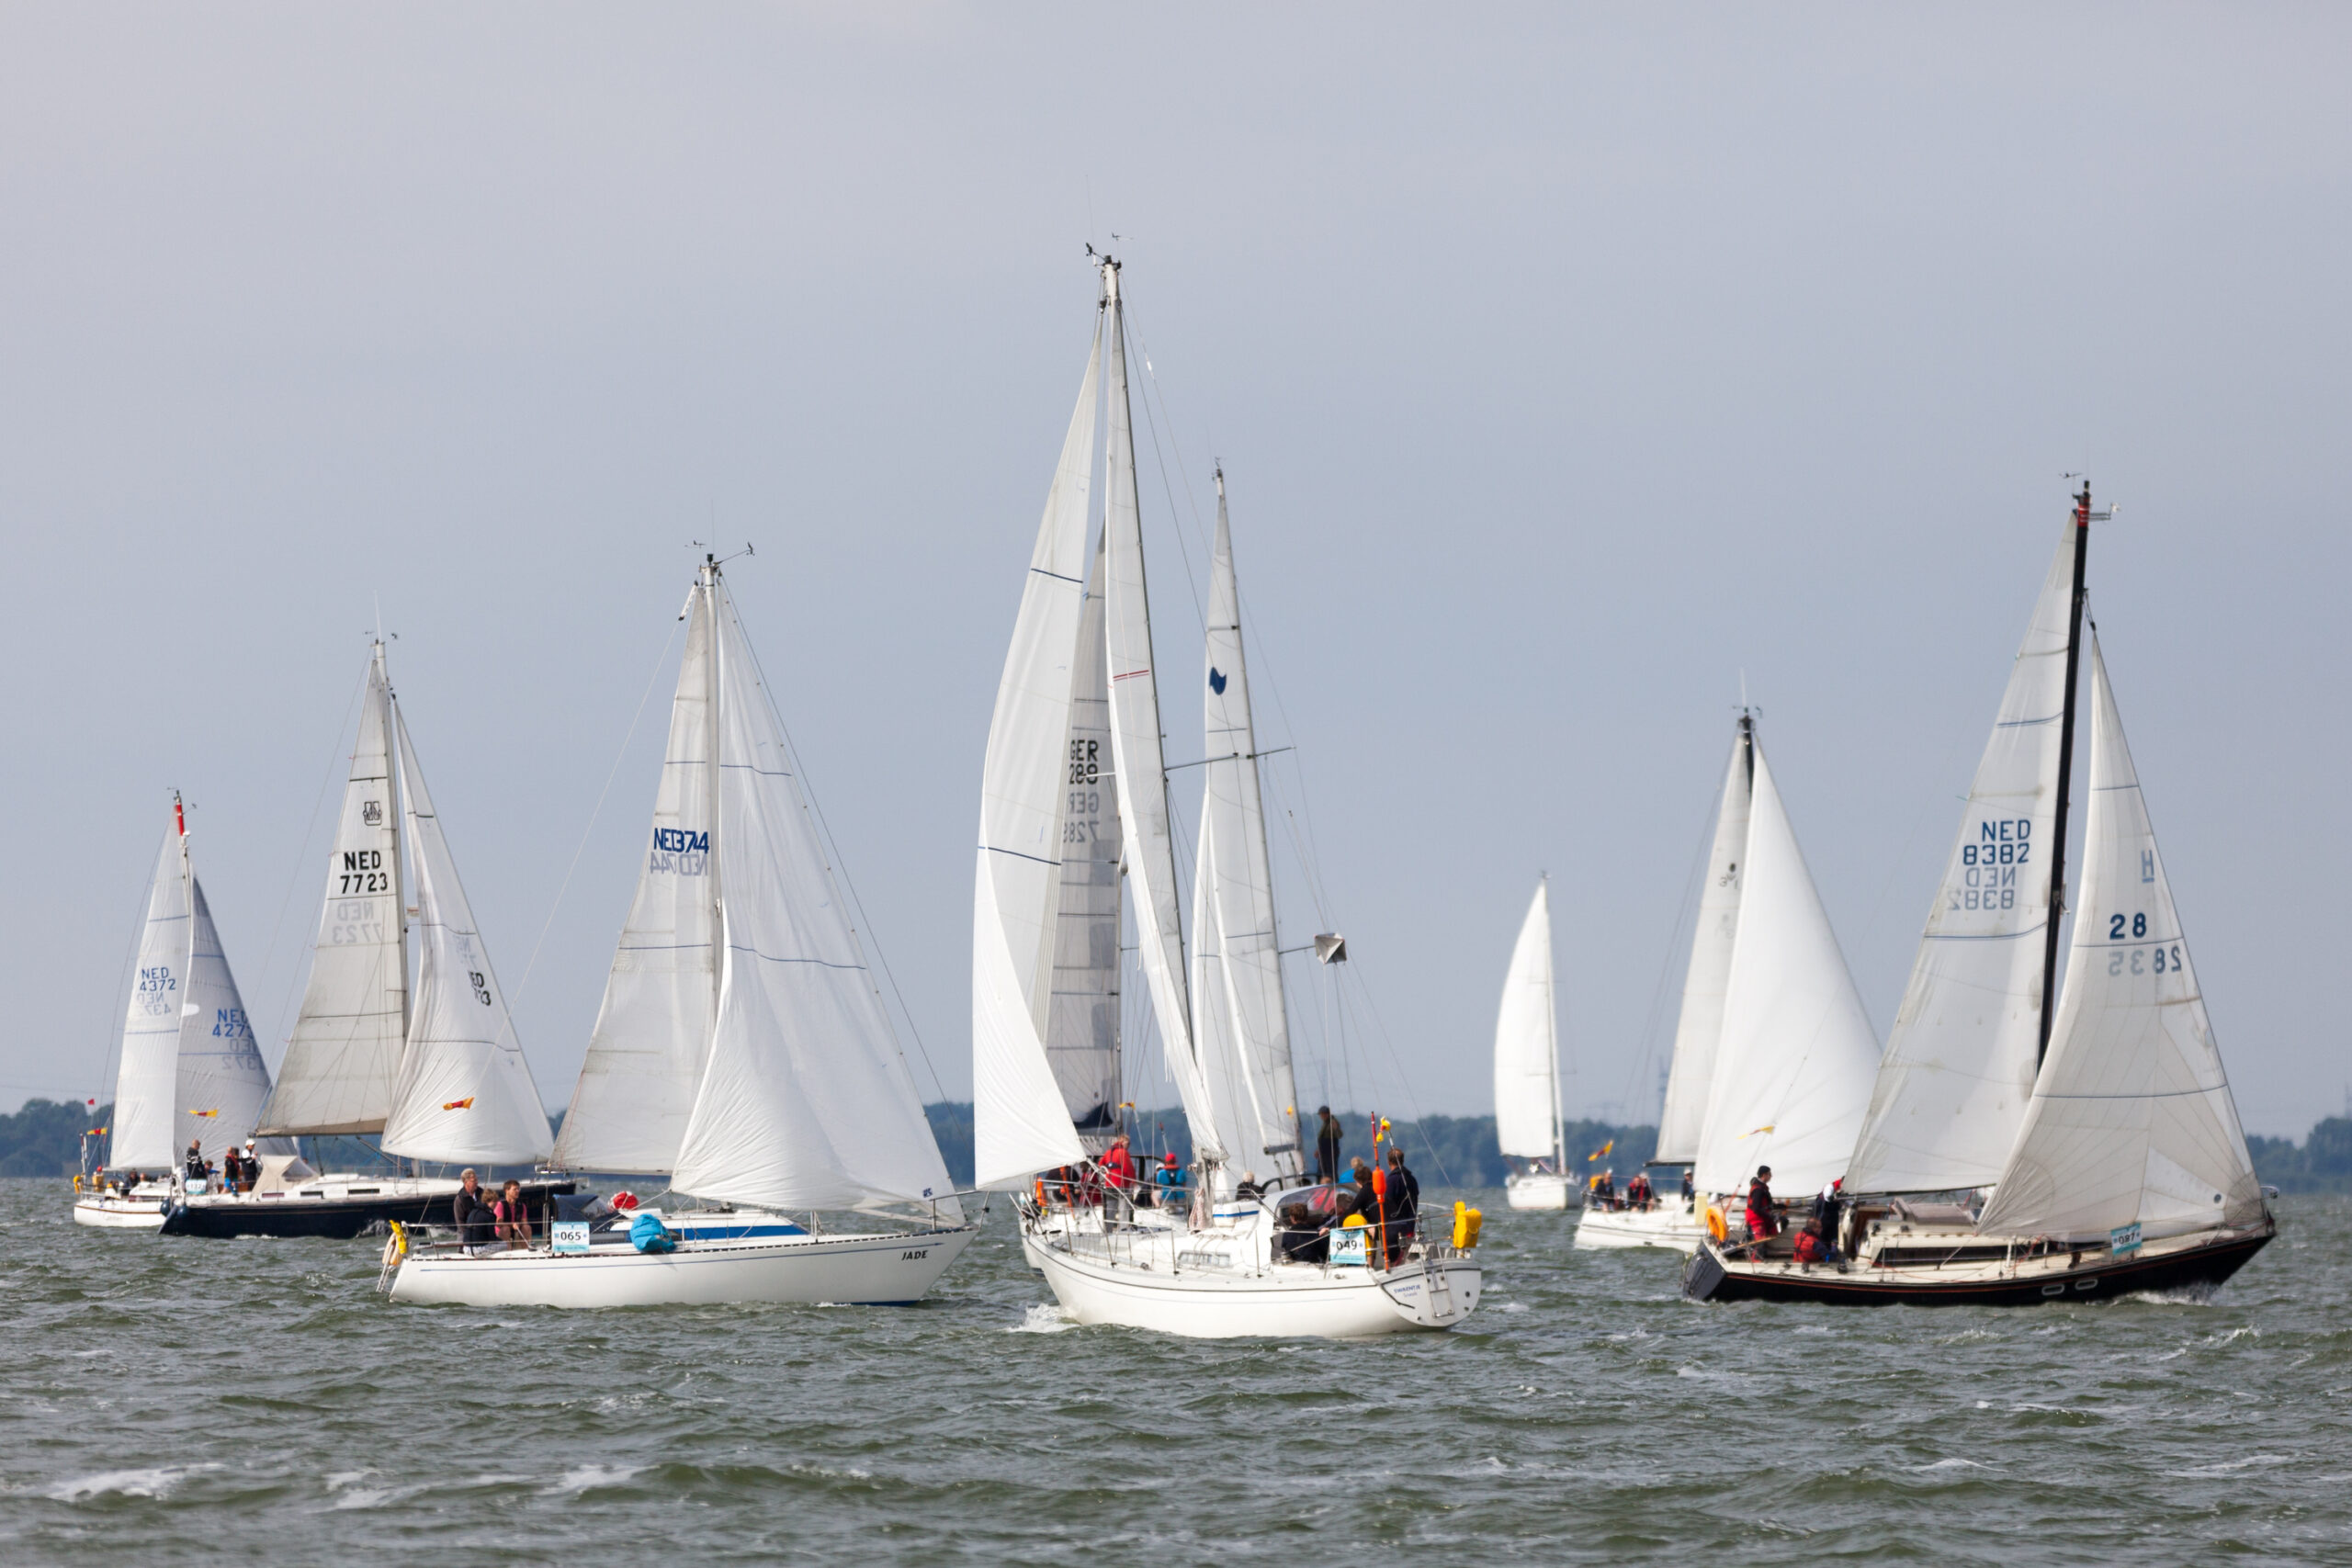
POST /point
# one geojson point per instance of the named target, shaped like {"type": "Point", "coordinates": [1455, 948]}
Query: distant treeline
{"type": "Point", "coordinates": [45, 1137]}
{"type": "Point", "coordinates": [2321, 1163]}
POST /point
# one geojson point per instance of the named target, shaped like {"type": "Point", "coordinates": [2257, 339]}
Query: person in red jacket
{"type": "Point", "coordinates": [1810, 1247]}
{"type": "Point", "coordinates": [1762, 1220]}
{"type": "Point", "coordinates": [1119, 1166]}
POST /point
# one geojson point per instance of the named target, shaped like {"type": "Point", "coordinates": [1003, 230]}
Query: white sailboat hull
{"type": "Point", "coordinates": [112, 1212]}
{"type": "Point", "coordinates": [1283, 1301]}
{"type": "Point", "coordinates": [1535, 1189]}
{"type": "Point", "coordinates": [848, 1270]}
{"type": "Point", "coordinates": [1673, 1224]}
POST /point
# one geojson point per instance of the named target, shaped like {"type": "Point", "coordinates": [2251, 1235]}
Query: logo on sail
{"type": "Point", "coordinates": [1217, 680]}
{"type": "Point", "coordinates": [371, 812]}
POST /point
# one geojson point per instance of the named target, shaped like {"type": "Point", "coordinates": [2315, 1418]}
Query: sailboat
{"type": "Point", "coordinates": [435, 1070]}
{"type": "Point", "coordinates": [1527, 1067]}
{"type": "Point", "coordinates": [742, 1051]}
{"type": "Point", "coordinates": [2104, 1126]}
{"type": "Point", "coordinates": [1774, 1056]}
{"type": "Point", "coordinates": [189, 1071]}
{"type": "Point", "coordinates": [1209, 1270]}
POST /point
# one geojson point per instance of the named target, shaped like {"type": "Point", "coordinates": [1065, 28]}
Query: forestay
{"type": "Point", "coordinates": [806, 1102]}
{"type": "Point", "coordinates": [2131, 1122]}
{"type": "Point", "coordinates": [1959, 1063]}
{"type": "Point", "coordinates": [1021, 1122]}
{"type": "Point", "coordinates": [465, 1092]}
{"type": "Point", "coordinates": [636, 1086]}
{"type": "Point", "coordinates": [349, 1038]}
{"type": "Point", "coordinates": [1526, 1045]}
{"type": "Point", "coordinates": [1083, 1020]}
{"type": "Point", "coordinates": [144, 1132]}
{"type": "Point", "coordinates": [1698, 1036]}
{"type": "Point", "coordinates": [1798, 1056]}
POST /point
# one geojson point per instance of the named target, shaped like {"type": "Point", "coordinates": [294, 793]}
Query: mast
{"type": "Point", "coordinates": [2065, 775]}
{"type": "Point", "coordinates": [710, 860]}
{"type": "Point", "coordinates": [1552, 1034]}
{"type": "Point", "coordinates": [396, 802]}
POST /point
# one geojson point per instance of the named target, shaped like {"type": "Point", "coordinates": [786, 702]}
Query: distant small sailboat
{"type": "Point", "coordinates": [436, 1071]}
{"type": "Point", "coordinates": [2122, 1165]}
{"type": "Point", "coordinates": [189, 1071]}
{"type": "Point", "coordinates": [741, 1050]}
{"type": "Point", "coordinates": [1527, 1067]}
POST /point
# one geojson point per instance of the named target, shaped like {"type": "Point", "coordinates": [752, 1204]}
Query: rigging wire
{"type": "Point", "coordinates": [109, 1061]}
{"type": "Point", "coordinates": [1675, 947]}
{"type": "Point", "coordinates": [293, 882]}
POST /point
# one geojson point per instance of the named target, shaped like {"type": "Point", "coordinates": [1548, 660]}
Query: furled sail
{"type": "Point", "coordinates": [349, 1038]}
{"type": "Point", "coordinates": [645, 1058]}
{"type": "Point", "coordinates": [806, 1102]}
{"type": "Point", "coordinates": [2131, 1119]}
{"type": "Point", "coordinates": [1959, 1063]}
{"type": "Point", "coordinates": [1021, 1121]}
{"type": "Point", "coordinates": [145, 1131]}
{"type": "Point", "coordinates": [1082, 1022]}
{"type": "Point", "coordinates": [1698, 1036]}
{"type": "Point", "coordinates": [1794, 1073]}
{"type": "Point", "coordinates": [1527, 1088]}
{"type": "Point", "coordinates": [222, 1081]}
{"type": "Point", "coordinates": [1239, 893]}
{"type": "Point", "coordinates": [1232, 1120]}
{"type": "Point", "coordinates": [464, 1093]}
{"type": "Point", "coordinates": [1135, 753]}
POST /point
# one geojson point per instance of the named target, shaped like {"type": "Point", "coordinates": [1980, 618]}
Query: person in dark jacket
{"type": "Point", "coordinates": [1327, 1138]}
{"type": "Point", "coordinates": [1300, 1240]}
{"type": "Point", "coordinates": [1762, 1220]}
{"type": "Point", "coordinates": [1367, 1201]}
{"type": "Point", "coordinates": [471, 1213]}
{"type": "Point", "coordinates": [1826, 1208]}
{"type": "Point", "coordinates": [1404, 1191]}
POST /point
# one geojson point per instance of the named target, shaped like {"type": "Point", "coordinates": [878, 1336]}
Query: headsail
{"type": "Point", "coordinates": [1798, 1056]}
{"type": "Point", "coordinates": [1136, 752]}
{"type": "Point", "coordinates": [1959, 1063]}
{"type": "Point", "coordinates": [645, 1059]}
{"type": "Point", "coordinates": [2132, 1121]}
{"type": "Point", "coordinates": [806, 1102]}
{"type": "Point", "coordinates": [1698, 1037]}
{"type": "Point", "coordinates": [464, 1093]}
{"type": "Point", "coordinates": [1082, 1022]}
{"type": "Point", "coordinates": [1527, 1087]}
{"type": "Point", "coordinates": [348, 1039]}
{"type": "Point", "coordinates": [224, 1082]}
{"type": "Point", "coordinates": [1020, 1121]}
{"type": "Point", "coordinates": [145, 1128]}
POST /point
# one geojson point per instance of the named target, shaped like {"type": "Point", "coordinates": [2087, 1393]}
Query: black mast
{"type": "Point", "coordinates": [2065, 773]}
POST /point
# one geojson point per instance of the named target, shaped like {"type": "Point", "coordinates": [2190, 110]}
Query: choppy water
{"type": "Point", "coordinates": [188, 1401]}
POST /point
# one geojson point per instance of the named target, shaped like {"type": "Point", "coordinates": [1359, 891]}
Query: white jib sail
{"type": "Point", "coordinates": [1233, 1120]}
{"type": "Point", "coordinates": [1698, 1035]}
{"type": "Point", "coordinates": [1083, 1020]}
{"type": "Point", "coordinates": [1960, 1062]}
{"type": "Point", "coordinates": [806, 1102]}
{"type": "Point", "coordinates": [1237, 897]}
{"type": "Point", "coordinates": [645, 1058]}
{"type": "Point", "coordinates": [1021, 1122]}
{"type": "Point", "coordinates": [1798, 1056]}
{"type": "Point", "coordinates": [222, 1080]}
{"type": "Point", "coordinates": [465, 1092]}
{"type": "Point", "coordinates": [2132, 1121]}
{"type": "Point", "coordinates": [1527, 1091]}
{"type": "Point", "coordinates": [1135, 753]}
{"type": "Point", "coordinates": [349, 1038]}
{"type": "Point", "coordinates": [144, 1131]}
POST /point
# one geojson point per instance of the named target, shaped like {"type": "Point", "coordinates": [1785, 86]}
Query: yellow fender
{"type": "Point", "coordinates": [396, 1245]}
{"type": "Point", "coordinates": [1467, 1222]}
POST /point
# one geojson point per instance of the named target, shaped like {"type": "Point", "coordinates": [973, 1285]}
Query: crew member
{"type": "Point", "coordinates": [1327, 1139]}
{"type": "Point", "coordinates": [1762, 1221]}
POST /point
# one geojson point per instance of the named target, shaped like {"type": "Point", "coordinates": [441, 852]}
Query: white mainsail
{"type": "Point", "coordinates": [2132, 1121]}
{"type": "Point", "coordinates": [353, 1028]}
{"type": "Point", "coordinates": [1136, 754]}
{"type": "Point", "coordinates": [1794, 1073]}
{"type": "Point", "coordinates": [1527, 1084]}
{"type": "Point", "coordinates": [806, 1102]}
{"type": "Point", "coordinates": [1960, 1063]}
{"type": "Point", "coordinates": [1698, 1036]}
{"type": "Point", "coordinates": [464, 1093]}
{"type": "Point", "coordinates": [144, 1131]}
{"type": "Point", "coordinates": [222, 1081]}
{"type": "Point", "coordinates": [1233, 911]}
{"type": "Point", "coordinates": [1083, 1020]}
{"type": "Point", "coordinates": [1021, 1122]}
{"type": "Point", "coordinates": [645, 1058]}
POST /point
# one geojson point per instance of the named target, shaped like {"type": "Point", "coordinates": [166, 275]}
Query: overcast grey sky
{"type": "Point", "coordinates": [1567, 364]}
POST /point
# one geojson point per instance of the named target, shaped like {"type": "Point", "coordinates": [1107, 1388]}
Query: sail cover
{"type": "Point", "coordinates": [1082, 1022]}
{"type": "Point", "coordinates": [349, 1038]}
{"type": "Point", "coordinates": [2132, 1121]}
{"type": "Point", "coordinates": [146, 1134]}
{"type": "Point", "coordinates": [1526, 1053]}
{"type": "Point", "coordinates": [645, 1058]}
{"type": "Point", "coordinates": [222, 1082]}
{"type": "Point", "coordinates": [1135, 753]}
{"type": "Point", "coordinates": [806, 1102]}
{"type": "Point", "coordinates": [465, 1092]}
{"type": "Point", "coordinates": [1237, 895]}
{"type": "Point", "coordinates": [1961, 1061]}
{"type": "Point", "coordinates": [1021, 1121]}
{"type": "Point", "coordinates": [1798, 1056]}
{"type": "Point", "coordinates": [1699, 1034]}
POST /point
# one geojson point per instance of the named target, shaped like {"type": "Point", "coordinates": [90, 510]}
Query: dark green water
{"type": "Point", "coordinates": [190, 1401]}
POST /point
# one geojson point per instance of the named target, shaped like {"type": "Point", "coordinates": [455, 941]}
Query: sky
{"type": "Point", "coordinates": [1572, 368]}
